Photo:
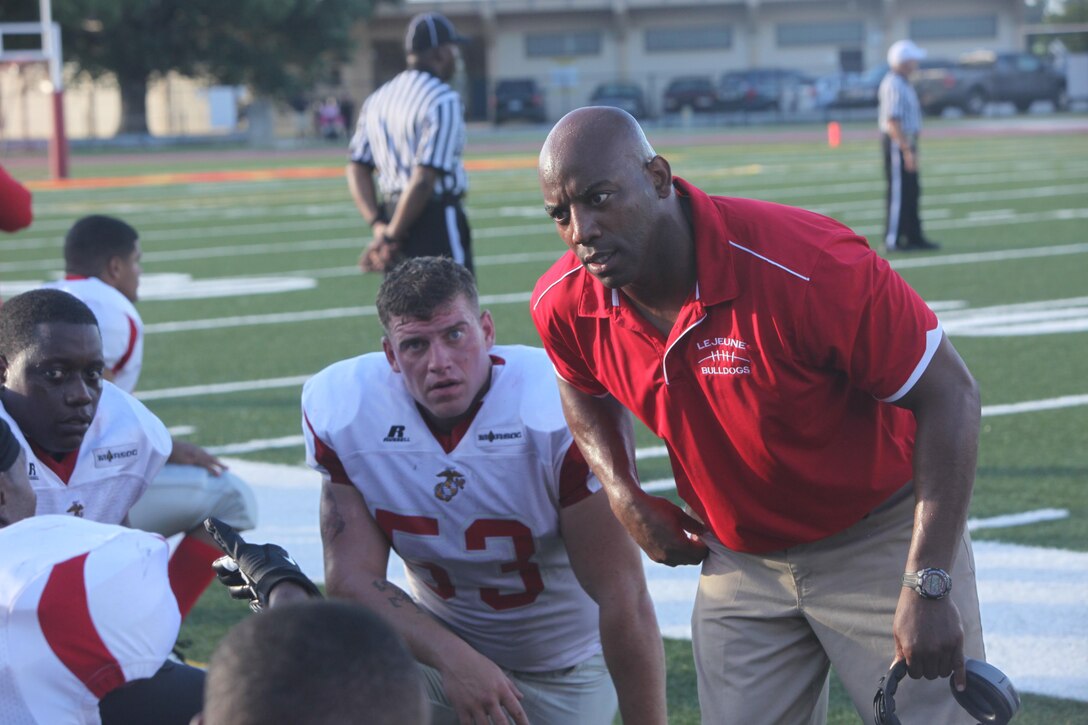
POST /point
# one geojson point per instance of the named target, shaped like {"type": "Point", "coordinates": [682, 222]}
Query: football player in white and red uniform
{"type": "Point", "coordinates": [87, 617]}
{"type": "Point", "coordinates": [90, 447]}
{"type": "Point", "coordinates": [102, 266]}
{"type": "Point", "coordinates": [455, 454]}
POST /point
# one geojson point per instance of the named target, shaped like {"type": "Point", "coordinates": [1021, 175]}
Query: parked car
{"type": "Point", "coordinates": [518, 98]}
{"type": "Point", "coordinates": [984, 76]}
{"type": "Point", "coordinates": [765, 89]}
{"type": "Point", "coordinates": [852, 90]}
{"type": "Point", "coordinates": [695, 92]}
{"type": "Point", "coordinates": [627, 96]}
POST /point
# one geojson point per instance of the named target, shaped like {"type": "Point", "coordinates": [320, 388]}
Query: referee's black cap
{"type": "Point", "coordinates": [430, 30]}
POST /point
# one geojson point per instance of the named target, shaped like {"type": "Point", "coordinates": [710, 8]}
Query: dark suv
{"type": "Point", "coordinates": [518, 98]}
{"type": "Point", "coordinates": [695, 92]}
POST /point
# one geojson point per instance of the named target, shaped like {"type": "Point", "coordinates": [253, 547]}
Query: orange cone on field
{"type": "Point", "coordinates": [834, 134]}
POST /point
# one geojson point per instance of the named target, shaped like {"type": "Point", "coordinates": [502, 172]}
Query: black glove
{"type": "Point", "coordinates": [250, 571]}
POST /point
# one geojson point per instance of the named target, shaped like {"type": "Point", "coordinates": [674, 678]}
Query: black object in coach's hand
{"type": "Point", "coordinates": [989, 697]}
{"type": "Point", "coordinates": [250, 571]}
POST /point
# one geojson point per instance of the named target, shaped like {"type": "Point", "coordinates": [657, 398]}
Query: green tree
{"type": "Point", "coordinates": [278, 48]}
{"type": "Point", "coordinates": [1069, 12]}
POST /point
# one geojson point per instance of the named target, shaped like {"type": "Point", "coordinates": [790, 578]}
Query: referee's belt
{"type": "Point", "coordinates": [439, 199]}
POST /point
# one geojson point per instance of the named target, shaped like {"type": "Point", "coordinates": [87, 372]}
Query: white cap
{"type": "Point", "coordinates": [903, 51]}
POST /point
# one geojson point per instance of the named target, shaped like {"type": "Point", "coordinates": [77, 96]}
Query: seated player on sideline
{"type": "Point", "coordinates": [90, 447]}
{"type": "Point", "coordinates": [102, 268]}
{"type": "Point", "coordinates": [87, 617]}
{"type": "Point", "coordinates": [454, 453]}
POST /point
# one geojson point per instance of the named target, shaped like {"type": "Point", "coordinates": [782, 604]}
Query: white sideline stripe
{"type": "Point", "coordinates": [1032, 406]}
{"type": "Point", "coordinates": [1020, 519]}
{"type": "Point", "coordinates": [261, 444]}
{"type": "Point", "coordinates": [216, 323]}
{"type": "Point", "coordinates": [192, 391]}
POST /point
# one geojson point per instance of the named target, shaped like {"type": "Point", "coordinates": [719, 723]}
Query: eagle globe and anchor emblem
{"type": "Point", "coordinates": [452, 482]}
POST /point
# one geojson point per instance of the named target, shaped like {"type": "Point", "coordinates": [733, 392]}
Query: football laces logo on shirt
{"type": "Point", "coordinates": [452, 482]}
{"type": "Point", "coordinates": [724, 356]}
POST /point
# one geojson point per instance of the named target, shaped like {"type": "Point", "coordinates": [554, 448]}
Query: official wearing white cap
{"type": "Point", "coordinates": [900, 120]}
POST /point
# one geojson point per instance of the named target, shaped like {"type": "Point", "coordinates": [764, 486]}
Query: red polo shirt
{"type": "Point", "coordinates": [768, 390]}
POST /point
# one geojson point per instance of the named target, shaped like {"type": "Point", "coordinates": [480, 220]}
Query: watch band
{"type": "Point", "coordinates": [930, 583]}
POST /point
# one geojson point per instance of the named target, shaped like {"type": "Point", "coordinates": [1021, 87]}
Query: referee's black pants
{"type": "Point", "coordinates": [903, 227]}
{"type": "Point", "coordinates": [440, 231]}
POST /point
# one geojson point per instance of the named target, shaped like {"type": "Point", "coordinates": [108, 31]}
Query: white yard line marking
{"type": "Point", "coordinates": [216, 323]}
{"type": "Point", "coordinates": [648, 452]}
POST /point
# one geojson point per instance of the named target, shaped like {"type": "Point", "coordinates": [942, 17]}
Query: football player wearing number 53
{"type": "Point", "coordinates": [528, 599]}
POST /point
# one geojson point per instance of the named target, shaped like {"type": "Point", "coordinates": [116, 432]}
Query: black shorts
{"type": "Point", "coordinates": [169, 697]}
{"type": "Point", "coordinates": [441, 231]}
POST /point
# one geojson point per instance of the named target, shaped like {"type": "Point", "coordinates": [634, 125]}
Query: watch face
{"type": "Point", "coordinates": [933, 584]}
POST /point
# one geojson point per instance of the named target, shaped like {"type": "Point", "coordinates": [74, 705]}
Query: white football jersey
{"type": "Point", "coordinates": [119, 322]}
{"type": "Point", "coordinates": [84, 608]}
{"type": "Point", "coordinates": [125, 447]}
{"type": "Point", "coordinates": [478, 527]}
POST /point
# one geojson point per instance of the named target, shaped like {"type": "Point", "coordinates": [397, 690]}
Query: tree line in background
{"type": "Point", "coordinates": [277, 48]}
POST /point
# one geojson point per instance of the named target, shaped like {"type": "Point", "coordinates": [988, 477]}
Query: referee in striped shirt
{"type": "Point", "coordinates": [900, 119]}
{"type": "Point", "coordinates": [412, 132]}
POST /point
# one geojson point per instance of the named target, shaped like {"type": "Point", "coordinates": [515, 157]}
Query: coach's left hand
{"type": "Point", "coordinates": [929, 637]}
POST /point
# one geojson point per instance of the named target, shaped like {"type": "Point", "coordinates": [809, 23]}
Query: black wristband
{"type": "Point", "coordinates": [9, 446]}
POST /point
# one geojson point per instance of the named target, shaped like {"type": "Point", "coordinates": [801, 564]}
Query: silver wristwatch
{"type": "Point", "coordinates": [929, 583]}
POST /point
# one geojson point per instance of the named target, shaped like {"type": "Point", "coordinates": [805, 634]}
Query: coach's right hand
{"type": "Point", "coordinates": [665, 532]}
{"type": "Point", "coordinates": [478, 689]}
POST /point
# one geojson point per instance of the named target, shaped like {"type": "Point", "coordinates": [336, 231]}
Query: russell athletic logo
{"type": "Point", "coordinates": [114, 455]}
{"type": "Point", "coordinates": [724, 356]}
{"type": "Point", "coordinates": [396, 435]}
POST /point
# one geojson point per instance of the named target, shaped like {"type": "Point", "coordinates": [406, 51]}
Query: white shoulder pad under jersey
{"type": "Point", "coordinates": [125, 447]}
{"type": "Point", "coordinates": [84, 608]}
{"type": "Point", "coordinates": [118, 321]}
{"type": "Point", "coordinates": [478, 527]}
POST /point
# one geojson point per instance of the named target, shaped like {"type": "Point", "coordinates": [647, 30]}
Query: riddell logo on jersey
{"type": "Point", "coordinates": [724, 356]}
{"type": "Point", "coordinates": [396, 435]}
{"type": "Point", "coordinates": [114, 456]}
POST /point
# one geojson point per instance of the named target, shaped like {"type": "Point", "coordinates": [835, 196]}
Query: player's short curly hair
{"type": "Point", "coordinates": [420, 285]}
{"type": "Point", "coordinates": [20, 315]}
{"type": "Point", "coordinates": [317, 662]}
{"type": "Point", "coordinates": [94, 240]}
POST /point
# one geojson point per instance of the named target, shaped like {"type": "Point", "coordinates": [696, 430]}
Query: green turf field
{"type": "Point", "coordinates": [1009, 209]}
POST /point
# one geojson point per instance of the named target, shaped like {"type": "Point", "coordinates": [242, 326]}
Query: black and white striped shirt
{"type": "Point", "coordinates": [899, 101]}
{"type": "Point", "coordinates": [413, 120]}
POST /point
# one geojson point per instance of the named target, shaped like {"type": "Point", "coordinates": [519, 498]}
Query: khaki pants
{"type": "Point", "coordinates": [579, 695]}
{"type": "Point", "coordinates": [766, 628]}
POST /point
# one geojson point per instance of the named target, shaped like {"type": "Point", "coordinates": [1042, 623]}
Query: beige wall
{"type": "Point", "coordinates": [176, 106]}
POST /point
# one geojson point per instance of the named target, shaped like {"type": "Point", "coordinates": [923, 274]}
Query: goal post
{"type": "Point", "coordinates": [49, 53]}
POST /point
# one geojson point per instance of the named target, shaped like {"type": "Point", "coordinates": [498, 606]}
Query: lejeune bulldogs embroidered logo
{"type": "Point", "coordinates": [723, 356]}
{"type": "Point", "coordinates": [452, 482]}
{"type": "Point", "coordinates": [115, 455]}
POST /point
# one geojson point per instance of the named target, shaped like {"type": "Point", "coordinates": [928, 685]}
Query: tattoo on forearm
{"type": "Point", "coordinates": [396, 596]}
{"type": "Point", "coordinates": [332, 523]}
